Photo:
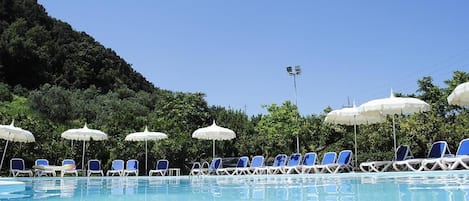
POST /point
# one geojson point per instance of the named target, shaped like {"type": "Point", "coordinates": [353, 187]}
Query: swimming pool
{"type": "Point", "coordinates": [453, 185]}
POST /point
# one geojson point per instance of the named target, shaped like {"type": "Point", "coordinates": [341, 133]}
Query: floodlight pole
{"type": "Point", "coordinates": [294, 72]}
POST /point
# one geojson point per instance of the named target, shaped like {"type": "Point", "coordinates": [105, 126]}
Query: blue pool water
{"type": "Point", "coordinates": [403, 186]}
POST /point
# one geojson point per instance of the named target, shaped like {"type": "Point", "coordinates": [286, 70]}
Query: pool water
{"type": "Point", "coordinates": [403, 186]}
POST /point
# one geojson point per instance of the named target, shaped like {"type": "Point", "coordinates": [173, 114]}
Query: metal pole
{"type": "Point", "coordinates": [213, 149]}
{"type": "Point", "coordinates": [83, 158]}
{"type": "Point", "coordinates": [356, 149]}
{"type": "Point", "coordinates": [146, 156]}
{"type": "Point", "coordinates": [394, 134]}
{"type": "Point", "coordinates": [296, 117]}
{"type": "Point", "coordinates": [3, 157]}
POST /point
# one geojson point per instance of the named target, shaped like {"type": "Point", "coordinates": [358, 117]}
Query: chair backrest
{"type": "Point", "coordinates": [345, 157]}
{"type": "Point", "coordinates": [242, 162]}
{"type": "Point", "coordinates": [17, 164]}
{"type": "Point", "coordinates": [294, 159]}
{"type": "Point", "coordinates": [132, 164]}
{"type": "Point", "coordinates": [280, 160]}
{"type": "Point", "coordinates": [257, 161]}
{"type": "Point", "coordinates": [328, 158]}
{"type": "Point", "coordinates": [117, 165]}
{"type": "Point", "coordinates": [215, 164]}
{"type": "Point", "coordinates": [438, 149]}
{"type": "Point", "coordinates": [196, 165]}
{"type": "Point", "coordinates": [463, 148]}
{"type": "Point", "coordinates": [402, 153]}
{"type": "Point", "coordinates": [94, 164]}
{"type": "Point", "coordinates": [41, 161]}
{"type": "Point", "coordinates": [69, 162]}
{"type": "Point", "coordinates": [310, 158]}
{"type": "Point", "coordinates": [162, 164]}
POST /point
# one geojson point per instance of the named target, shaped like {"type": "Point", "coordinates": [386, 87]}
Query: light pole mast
{"type": "Point", "coordinates": [294, 72]}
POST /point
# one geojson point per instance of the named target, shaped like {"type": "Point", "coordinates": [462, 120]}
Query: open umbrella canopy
{"type": "Point", "coordinates": [14, 134]}
{"type": "Point", "coordinates": [145, 136]}
{"type": "Point", "coordinates": [460, 95]}
{"type": "Point", "coordinates": [214, 132]}
{"type": "Point", "coordinates": [84, 134]}
{"type": "Point", "coordinates": [352, 116]}
{"type": "Point", "coordinates": [392, 106]}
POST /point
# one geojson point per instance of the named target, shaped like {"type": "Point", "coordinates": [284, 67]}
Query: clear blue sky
{"type": "Point", "coordinates": [236, 51]}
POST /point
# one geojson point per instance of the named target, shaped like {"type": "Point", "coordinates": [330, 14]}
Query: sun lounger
{"type": "Point", "coordinates": [327, 159]}
{"type": "Point", "coordinates": [242, 163]}
{"type": "Point", "coordinates": [131, 167]}
{"type": "Point", "coordinates": [434, 161]}
{"type": "Point", "coordinates": [17, 168]}
{"type": "Point", "coordinates": [94, 167]}
{"type": "Point", "coordinates": [70, 167]}
{"type": "Point", "coordinates": [292, 164]}
{"type": "Point", "coordinates": [42, 171]}
{"type": "Point", "coordinates": [342, 164]}
{"type": "Point", "coordinates": [256, 163]}
{"type": "Point", "coordinates": [162, 167]}
{"type": "Point", "coordinates": [402, 153]}
{"type": "Point", "coordinates": [461, 160]}
{"type": "Point", "coordinates": [437, 151]}
{"type": "Point", "coordinates": [308, 162]}
{"type": "Point", "coordinates": [279, 162]}
{"type": "Point", "coordinates": [214, 166]}
{"type": "Point", "coordinates": [117, 167]}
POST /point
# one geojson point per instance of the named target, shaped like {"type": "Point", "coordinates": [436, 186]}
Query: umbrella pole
{"type": "Point", "coordinates": [3, 157]}
{"type": "Point", "coordinates": [356, 149]}
{"type": "Point", "coordinates": [146, 156]}
{"type": "Point", "coordinates": [83, 158]}
{"type": "Point", "coordinates": [394, 134]}
{"type": "Point", "coordinates": [213, 149]}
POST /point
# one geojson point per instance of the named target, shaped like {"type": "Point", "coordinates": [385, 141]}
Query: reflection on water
{"type": "Point", "coordinates": [403, 187]}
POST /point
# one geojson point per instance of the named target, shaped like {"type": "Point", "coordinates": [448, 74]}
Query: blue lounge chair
{"type": "Point", "coordinates": [256, 163]}
{"type": "Point", "coordinates": [402, 153]}
{"type": "Point", "coordinates": [279, 163]}
{"type": "Point", "coordinates": [131, 167]}
{"type": "Point", "coordinates": [461, 160]}
{"type": "Point", "coordinates": [17, 168]}
{"type": "Point", "coordinates": [43, 172]}
{"type": "Point", "coordinates": [308, 162]}
{"type": "Point", "coordinates": [327, 159]}
{"type": "Point", "coordinates": [292, 164]}
{"type": "Point", "coordinates": [243, 162]}
{"type": "Point", "coordinates": [94, 167]}
{"type": "Point", "coordinates": [162, 167]}
{"type": "Point", "coordinates": [69, 167]}
{"type": "Point", "coordinates": [342, 164]}
{"type": "Point", "coordinates": [435, 154]}
{"type": "Point", "coordinates": [117, 167]}
{"type": "Point", "coordinates": [214, 166]}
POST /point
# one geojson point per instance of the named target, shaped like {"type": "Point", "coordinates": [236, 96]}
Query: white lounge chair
{"type": "Point", "coordinates": [279, 163]}
{"type": "Point", "coordinates": [117, 167]}
{"type": "Point", "coordinates": [214, 166]}
{"type": "Point", "coordinates": [437, 151]}
{"type": "Point", "coordinates": [94, 167]}
{"type": "Point", "coordinates": [292, 165]}
{"type": "Point", "coordinates": [69, 167]}
{"type": "Point", "coordinates": [342, 164]}
{"type": "Point", "coordinates": [256, 163]}
{"type": "Point", "coordinates": [308, 162]}
{"type": "Point", "coordinates": [461, 160]}
{"type": "Point", "coordinates": [131, 167]}
{"type": "Point", "coordinates": [162, 167]}
{"type": "Point", "coordinates": [242, 163]}
{"type": "Point", "coordinates": [327, 159]}
{"type": "Point", "coordinates": [43, 172]}
{"type": "Point", "coordinates": [402, 153]}
{"type": "Point", "coordinates": [17, 168]}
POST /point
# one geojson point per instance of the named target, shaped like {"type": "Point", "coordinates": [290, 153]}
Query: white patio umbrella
{"type": "Point", "coordinates": [213, 133]}
{"type": "Point", "coordinates": [392, 106]}
{"type": "Point", "coordinates": [145, 136]}
{"type": "Point", "coordinates": [460, 95]}
{"type": "Point", "coordinates": [84, 134]}
{"type": "Point", "coordinates": [351, 116]}
{"type": "Point", "coordinates": [14, 134]}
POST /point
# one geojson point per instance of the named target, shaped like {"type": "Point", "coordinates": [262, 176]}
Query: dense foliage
{"type": "Point", "coordinates": [55, 79]}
